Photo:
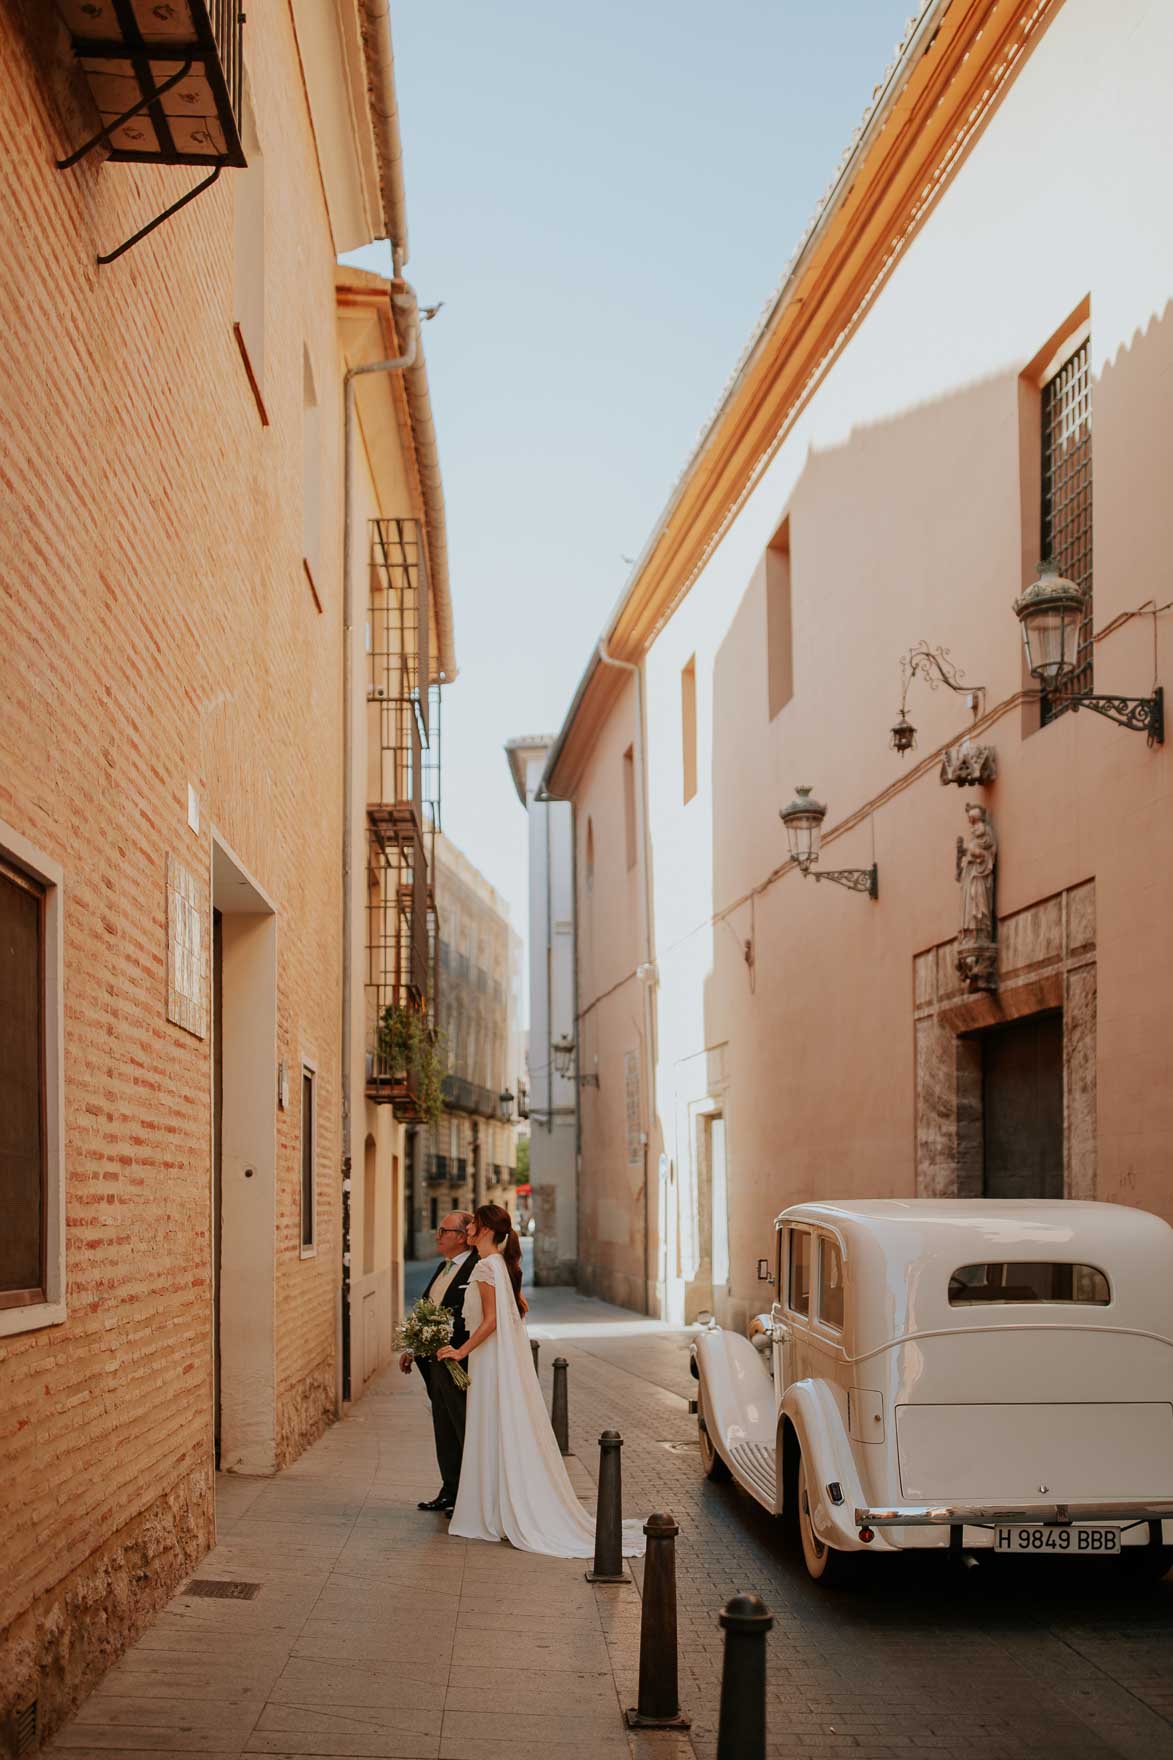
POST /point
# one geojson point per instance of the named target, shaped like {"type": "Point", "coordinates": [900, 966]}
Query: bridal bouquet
{"type": "Point", "coordinates": [426, 1329]}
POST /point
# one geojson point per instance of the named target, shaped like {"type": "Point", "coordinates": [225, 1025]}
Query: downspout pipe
{"type": "Point", "coordinates": [647, 971]}
{"type": "Point", "coordinates": [405, 301]}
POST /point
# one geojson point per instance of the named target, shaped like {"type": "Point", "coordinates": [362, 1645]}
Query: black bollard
{"type": "Point", "coordinates": [741, 1734]}
{"type": "Point", "coordinates": [608, 1566]}
{"type": "Point", "coordinates": [659, 1692]}
{"type": "Point", "coordinates": [559, 1413]}
{"type": "Point", "coordinates": [535, 1347]}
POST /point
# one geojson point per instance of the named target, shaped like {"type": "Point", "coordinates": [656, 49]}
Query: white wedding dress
{"type": "Point", "coordinates": [513, 1485]}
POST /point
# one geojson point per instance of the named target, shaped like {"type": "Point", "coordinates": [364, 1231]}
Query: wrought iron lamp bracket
{"type": "Point", "coordinates": [925, 662]}
{"type": "Point", "coordinates": [1140, 714]}
{"type": "Point", "coordinates": [865, 880]}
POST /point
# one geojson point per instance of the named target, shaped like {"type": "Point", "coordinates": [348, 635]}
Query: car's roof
{"type": "Point", "coordinates": [1000, 1224]}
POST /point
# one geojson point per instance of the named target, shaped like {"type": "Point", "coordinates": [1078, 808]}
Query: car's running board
{"type": "Point", "coordinates": [753, 1464]}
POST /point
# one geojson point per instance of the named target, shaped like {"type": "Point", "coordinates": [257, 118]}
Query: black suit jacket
{"type": "Point", "coordinates": [454, 1297]}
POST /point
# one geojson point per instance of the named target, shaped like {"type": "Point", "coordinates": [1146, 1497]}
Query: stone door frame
{"type": "Point", "coordinates": [1046, 961]}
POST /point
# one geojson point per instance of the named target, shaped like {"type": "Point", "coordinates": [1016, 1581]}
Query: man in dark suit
{"type": "Point", "coordinates": [446, 1286]}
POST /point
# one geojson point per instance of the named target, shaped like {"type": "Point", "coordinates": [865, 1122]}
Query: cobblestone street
{"type": "Point", "coordinates": [917, 1659]}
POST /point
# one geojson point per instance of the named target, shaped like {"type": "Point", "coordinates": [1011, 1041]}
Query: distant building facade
{"type": "Point", "coordinates": [552, 1079]}
{"type": "Point", "coordinates": [468, 1155]}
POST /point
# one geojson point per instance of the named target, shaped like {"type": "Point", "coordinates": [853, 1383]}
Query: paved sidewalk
{"type": "Point", "coordinates": [373, 1632]}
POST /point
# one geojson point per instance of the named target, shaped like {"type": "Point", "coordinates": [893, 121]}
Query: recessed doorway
{"type": "Point", "coordinates": [244, 1163]}
{"type": "Point", "coordinates": [1022, 1108]}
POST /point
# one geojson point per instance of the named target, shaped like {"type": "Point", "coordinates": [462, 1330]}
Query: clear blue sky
{"type": "Point", "coordinates": [604, 197]}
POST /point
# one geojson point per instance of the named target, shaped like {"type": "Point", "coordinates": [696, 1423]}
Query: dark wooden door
{"type": "Point", "coordinates": [1022, 1109]}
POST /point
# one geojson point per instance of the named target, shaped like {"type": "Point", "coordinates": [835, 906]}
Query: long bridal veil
{"type": "Point", "coordinates": [513, 1484]}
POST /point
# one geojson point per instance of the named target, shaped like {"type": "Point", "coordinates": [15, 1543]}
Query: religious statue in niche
{"type": "Point", "coordinates": [977, 854]}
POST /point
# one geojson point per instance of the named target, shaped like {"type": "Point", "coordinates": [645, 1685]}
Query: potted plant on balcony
{"type": "Point", "coordinates": [409, 1053]}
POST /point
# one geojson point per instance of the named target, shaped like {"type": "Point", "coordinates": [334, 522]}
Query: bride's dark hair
{"type": "Point", "coordinates": [496, 1219]}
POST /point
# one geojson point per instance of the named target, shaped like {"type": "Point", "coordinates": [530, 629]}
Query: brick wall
{"type": "Point", "coordinates": [158, 631]}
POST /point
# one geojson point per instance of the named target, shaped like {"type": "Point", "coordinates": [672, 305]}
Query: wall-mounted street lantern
{"type": "Point", "coordinates": [803, 819]}
{"type": "Point", "coordinates": [1051, 613]}
{"type": "Point", "coordinates": [935, 667]}
{"type": "Point", "coordinates": [563, 1050]}
{"type": "Point", "coordinates": [505, 1102]}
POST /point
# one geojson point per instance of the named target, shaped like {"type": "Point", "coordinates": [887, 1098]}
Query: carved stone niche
{"type": "Point", "coordinates": [969, 766]}
{"type": "Point", "coordinates": [1046, 959]}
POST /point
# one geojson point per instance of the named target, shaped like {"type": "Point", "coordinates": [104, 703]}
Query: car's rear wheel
{"type": "Point", "coordinates": [715, 1468]}
{"type": "Point", "coordinates": [823, 1563]}
{"type": "Point", "coordinates": [1144, 1565]}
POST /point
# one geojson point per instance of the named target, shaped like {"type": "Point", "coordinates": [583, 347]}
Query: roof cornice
{"type": "Point", "coordinates": [958, 60]}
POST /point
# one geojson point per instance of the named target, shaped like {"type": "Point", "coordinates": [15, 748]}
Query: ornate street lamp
{"type": "Point", "coordinates": [1051, 613]}
{"type": "Point", "coordinates": [563, 1050]}
{"type": "Point", "coordinates": [505, 1104]}
{"type": "Point", "coordinates": [803, 818]}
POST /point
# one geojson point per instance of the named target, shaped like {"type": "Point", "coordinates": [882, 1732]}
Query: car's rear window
{"type": "Point", "coordinates": [1028, 1281]}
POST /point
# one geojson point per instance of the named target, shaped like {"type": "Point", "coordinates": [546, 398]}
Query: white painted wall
{"type": "Point", "coordinates": [553, 1112]}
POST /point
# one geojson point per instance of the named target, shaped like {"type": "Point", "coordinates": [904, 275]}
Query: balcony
{"type": "Point", "coordinates": [404, 947]}
{"type": "Point", "coordinates": [165, 80]}
{"type": "Point", "coordinates": [464, 1096]}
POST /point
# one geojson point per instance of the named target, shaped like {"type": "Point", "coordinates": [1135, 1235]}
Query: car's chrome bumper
{"type": "Point", "coordinates": [977, 1515]}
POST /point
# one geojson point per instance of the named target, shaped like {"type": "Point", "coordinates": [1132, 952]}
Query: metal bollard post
{"type": "Point", "coordinates": [659, 1692]}
{"type": "Point", "coordinates": [559, 1412]}
{"type": "Point", "coordinates": [741, 1733]}
{"type": "Point", "coordinates": [535, 1347]}
{"type": "Point", "coordinates": [608, 1565]}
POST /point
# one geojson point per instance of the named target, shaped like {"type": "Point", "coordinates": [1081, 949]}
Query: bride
{"type": "Point", "coordinates": [513, 1485]}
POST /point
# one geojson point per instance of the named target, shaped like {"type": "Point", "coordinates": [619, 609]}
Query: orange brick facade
{"type": "Point", "coordinates": [158, 632]}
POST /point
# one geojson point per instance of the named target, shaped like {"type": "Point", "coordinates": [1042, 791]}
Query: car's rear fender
{"type": "Point", "coordinates": [809, 1409]}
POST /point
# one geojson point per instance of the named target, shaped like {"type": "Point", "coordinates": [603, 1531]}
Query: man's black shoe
{"type": "Point", "coordinates": [440, 1502]}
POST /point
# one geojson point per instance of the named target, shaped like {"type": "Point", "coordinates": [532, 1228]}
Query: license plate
{"type": "Point", "coordinates": [1073, 1541]}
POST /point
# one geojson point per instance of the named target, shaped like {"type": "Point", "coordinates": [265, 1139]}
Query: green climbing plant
{"type": "Point", "coordinates": [406, 1048]}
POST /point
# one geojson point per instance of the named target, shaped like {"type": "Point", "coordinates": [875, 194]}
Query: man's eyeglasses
{"type": "Point", "coordinates": [449, 1231]}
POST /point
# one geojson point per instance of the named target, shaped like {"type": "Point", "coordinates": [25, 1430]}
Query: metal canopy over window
{"type": "Point", "coordinates": [1066, 512]}
{"type": "Point", "coordinates": [166, 78]}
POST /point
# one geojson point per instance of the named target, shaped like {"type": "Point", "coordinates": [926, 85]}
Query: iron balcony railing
{"type": "Point", "coordinates": [461, 1095]}
{"type": "Point", "coordinates": [166, 80]}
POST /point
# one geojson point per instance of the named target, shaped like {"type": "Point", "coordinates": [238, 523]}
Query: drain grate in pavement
{"type": "Point", "coordinates": [226, 1591]}
{"type": "Point", "coordinates": [680, 1447]}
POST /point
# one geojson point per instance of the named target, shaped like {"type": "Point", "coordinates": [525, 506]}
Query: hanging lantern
{"type": "Point", "coordinates": [903, 735]}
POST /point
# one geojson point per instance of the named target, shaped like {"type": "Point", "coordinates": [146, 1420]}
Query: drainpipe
{"type": "Point", "coordinates": [406, 302]}
{"type": "Point", "coordinates": [647, 971]}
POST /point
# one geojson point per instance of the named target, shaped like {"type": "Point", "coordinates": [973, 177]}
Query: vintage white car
{"type": "Point", "coordinates": [972, 1375]}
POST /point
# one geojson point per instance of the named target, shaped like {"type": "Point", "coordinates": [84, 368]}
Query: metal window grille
{"type": "Point", "coordinates": [1066, 512]}
{"type": "Point", "coordinates": [403, 935]}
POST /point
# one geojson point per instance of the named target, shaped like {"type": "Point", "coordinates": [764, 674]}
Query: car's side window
{"type": "Point", "coordinates": [778, 1266]}
{"type": "Point", "coordinates": [830, 1283]}
{"type": "Point", "coordinates": [798, 1293]}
